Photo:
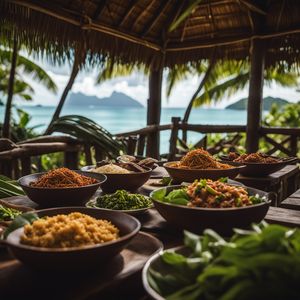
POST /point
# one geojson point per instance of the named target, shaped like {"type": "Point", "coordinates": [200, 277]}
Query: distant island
{"type": "Point", "coordinates": [116, 99]}
{"type": "Point", "coordinates": [267, 103]}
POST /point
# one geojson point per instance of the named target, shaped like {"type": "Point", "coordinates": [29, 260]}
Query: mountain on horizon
{"type": "Point", "coordinates": [267, 103]}
{"type": "Point", "coordinates": [116, 99]}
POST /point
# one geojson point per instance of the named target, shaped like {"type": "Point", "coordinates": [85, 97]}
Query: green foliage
{"type": "Point", "coordinates": [260, 264]}
{"type": "Point", "coordinates": [286, 116]}
{"type": "Point", "coordinates": [89, 132]}
{"type": "Point", "coordinates": [20, 128]}
{"type": "Point", "coordinates": [24, 66]}
{"type": "Point", "coordinates": [9, 188]}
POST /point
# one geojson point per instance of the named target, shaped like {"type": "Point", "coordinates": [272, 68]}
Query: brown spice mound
{"type": "Point", "coordinates": [256, 158]}
{"type": "Point", "coordinates": [72, 230]}
{"type": "Point", "coordinates": [200, 159]}
{"type": "Point", "coordinates": [62, 178]}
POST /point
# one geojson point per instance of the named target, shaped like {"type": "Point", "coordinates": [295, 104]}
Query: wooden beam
{"type": "Point", "coordinates": [99, 9]}
{"type": "Point", "coordinates": [254, 110]}
{"type": "Point", "coordinates": [253, 7]}
{"type": "Point", "coordinates": [131, 6]}
{"type": "Point", "coordinates": [163, 5]}
{"type": "Point", "coordinates": [154, 111]}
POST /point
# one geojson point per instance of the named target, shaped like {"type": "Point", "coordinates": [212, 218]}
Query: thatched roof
{"type": "Point", "coordinates": [138, 31]}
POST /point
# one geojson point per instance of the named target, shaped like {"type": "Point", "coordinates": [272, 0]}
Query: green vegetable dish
{"type": "Point", "coordinates": [121, 200]}
{"type": "Point", "coordinates": [8, 214]}
{"type": "Point", "coordinates": [259, 264]}
{"type": "Point", "coordinates": [209, 194]}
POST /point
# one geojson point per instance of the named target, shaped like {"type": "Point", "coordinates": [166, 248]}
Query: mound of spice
{"type": "Point", "coordinates": [62, 178]}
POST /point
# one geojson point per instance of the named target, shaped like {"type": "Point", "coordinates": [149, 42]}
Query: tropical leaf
{"type": "Point", "coordinates": [90, 132]}
{"type": "Point", "coordinates": [185, 14]}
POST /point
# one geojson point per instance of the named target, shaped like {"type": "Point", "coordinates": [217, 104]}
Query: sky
{"type": "Point", "coordinates": [135, 86]}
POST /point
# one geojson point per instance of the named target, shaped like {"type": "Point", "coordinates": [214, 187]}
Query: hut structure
{"type": "Point", "coordinates": [163, 34]}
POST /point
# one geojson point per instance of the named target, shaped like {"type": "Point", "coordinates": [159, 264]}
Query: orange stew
{"type": "Point", "coordinates": [62, 178]}
{"type": "Point", "coordinates": [217, 194]}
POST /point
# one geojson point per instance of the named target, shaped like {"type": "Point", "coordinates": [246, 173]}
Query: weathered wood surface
{"type": "Point", "coordinates": [282, 182]}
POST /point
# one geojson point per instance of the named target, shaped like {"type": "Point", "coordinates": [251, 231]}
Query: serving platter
{"type": "Point", "coordinates": [19, 281]}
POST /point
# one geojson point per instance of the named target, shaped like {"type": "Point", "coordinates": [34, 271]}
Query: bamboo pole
{"type": "Point", "coordinates": [254, 110]}
{"type": "Point", "coordinates": [154, 111]}
{"type": "Point", "coordinates": [10, 93]}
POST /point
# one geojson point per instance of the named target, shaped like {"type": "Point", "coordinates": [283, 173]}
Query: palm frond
{"type": "Point", "coordinates": [224, 89]}
{"type": "Point", "coordinates": [88, 131]}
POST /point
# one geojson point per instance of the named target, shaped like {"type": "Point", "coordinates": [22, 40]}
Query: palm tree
{"type": "Point", "coordinates": [13, 84]}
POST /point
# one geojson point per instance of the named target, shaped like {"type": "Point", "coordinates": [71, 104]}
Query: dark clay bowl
{"type": "Point", "coordinates": [189, 175]}
{"type": "Point", "coordinates": [222, 220]}
{"type": "Point", "coordinates": [261, 169]}
{"type": "Point", "coordinates": [130, 182]}
{"type": "Point", "coordinates": [58, 197]}
{"type": "Point", "coordinates": [77, 257]}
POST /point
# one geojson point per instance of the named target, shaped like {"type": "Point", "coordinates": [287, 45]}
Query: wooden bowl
{"type": "Point", "coordinates": [189, 175]}
{"type": "Point", "coordinates": [222, 220]}
{"type": "Point", "coordinates": [76, 257]}
{"type": "Point", "coordinates": [261, 169]}
{"type": "Point", "coordinates": [129, 182]}
{"type": "Point", "coordinates": [59, 197]}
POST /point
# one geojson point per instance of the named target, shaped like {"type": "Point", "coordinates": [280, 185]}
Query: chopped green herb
{"type": "Point", "coordinates": [123, 200]}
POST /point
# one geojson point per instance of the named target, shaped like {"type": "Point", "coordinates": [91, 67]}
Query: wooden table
{"type": "Point", "coordinates": [90, 285]}
{"type": "Point", "coordinates": [292, 202]}
{"type": "Point", "coordinates": [283, 182]}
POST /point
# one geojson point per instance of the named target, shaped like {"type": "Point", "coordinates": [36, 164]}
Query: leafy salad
{"type": "Point", "coordinates": [209, 194]}
{"type": "Point", "coordinates": [259, 264]}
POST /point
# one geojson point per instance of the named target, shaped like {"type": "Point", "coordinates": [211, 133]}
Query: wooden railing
{"type": "Point", "coordinates": [16, 159]}
{"type": "Point", "coordinates": [288, 144]}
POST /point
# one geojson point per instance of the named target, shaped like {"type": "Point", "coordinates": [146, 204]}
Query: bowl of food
{"type": "Point", "coordinates": [258, 164]}
{"type": "Point", "coordinates": [61, 187]}
{"type": "Point", "coordinates": [211, 204]}
{"type": "Point", "coordinates": [71, 238]}
{"type": "Point", "coordinates": [123, 201]}
{"type": "Point", "coordinates": [142, 161]}
{"type": "Point", "coordinates": [198, 164]}
{"type": "Point", "coordinates": [212, 267]}
{"type": "Point", "coordinates": [120, 176]}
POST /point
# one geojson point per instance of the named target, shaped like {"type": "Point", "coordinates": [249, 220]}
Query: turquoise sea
{"type": "Point", "coordinates": [126, 119]}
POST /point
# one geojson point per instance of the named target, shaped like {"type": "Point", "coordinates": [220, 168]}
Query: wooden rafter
{"type": "Point", "coordinates": [99, 9]}
{"type": "Point", "coordinates": [141, 15]}
{"type": "Point", "coordinates": [280, 14]}
{"type": "Point", "coordinates": [253, 7]}
{"type": "Point", "coordinates": [131, 7]}
{"type": "Point", "coordinates": [211, 16]}
{"type": "Point", "coordinates": [163, 5]}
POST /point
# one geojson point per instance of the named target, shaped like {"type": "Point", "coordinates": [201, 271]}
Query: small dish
{"type": "Point", "coordinates": [59, 197]}
{"type": "Point", "coordinates": [189, 175]}
{"type": "Point", "coordinates": [134, 212]}
{"type": "Point", "coordinates": [129, 182]}
{"type": "Point", "coordinates": [260, 169]}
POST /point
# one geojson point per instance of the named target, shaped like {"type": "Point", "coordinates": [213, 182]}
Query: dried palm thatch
{"type": "Point", "coordinates": [155, 32]}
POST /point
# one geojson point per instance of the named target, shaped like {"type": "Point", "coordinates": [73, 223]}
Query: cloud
{"type": "Point", "coordinates": [135, 85]}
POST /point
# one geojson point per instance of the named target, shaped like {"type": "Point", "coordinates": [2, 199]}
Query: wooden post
{"type": "Point", "coordinates": [254, 110]}
{"type": "Point", "coordinates": [173, 138]}
{"type": "Point", "coordinates": [10, 92]}
{"type": "Point", "coordinates": [154, 111]}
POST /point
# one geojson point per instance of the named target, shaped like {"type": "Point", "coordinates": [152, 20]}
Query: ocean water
{"type": "Point", "coordinates": [127, 119]}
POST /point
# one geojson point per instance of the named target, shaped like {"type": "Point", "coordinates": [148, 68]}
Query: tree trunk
{"type": "Point", "coordinates": [256, 84]}
{"type": "Point", "coordinates": [10, 93]}
{"type": "Point", "coordinates": [154, 111]}
{"type": "Point", "coordinates": [190, 106]}
{"type": "Point", "coordinates": [65, 93]}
